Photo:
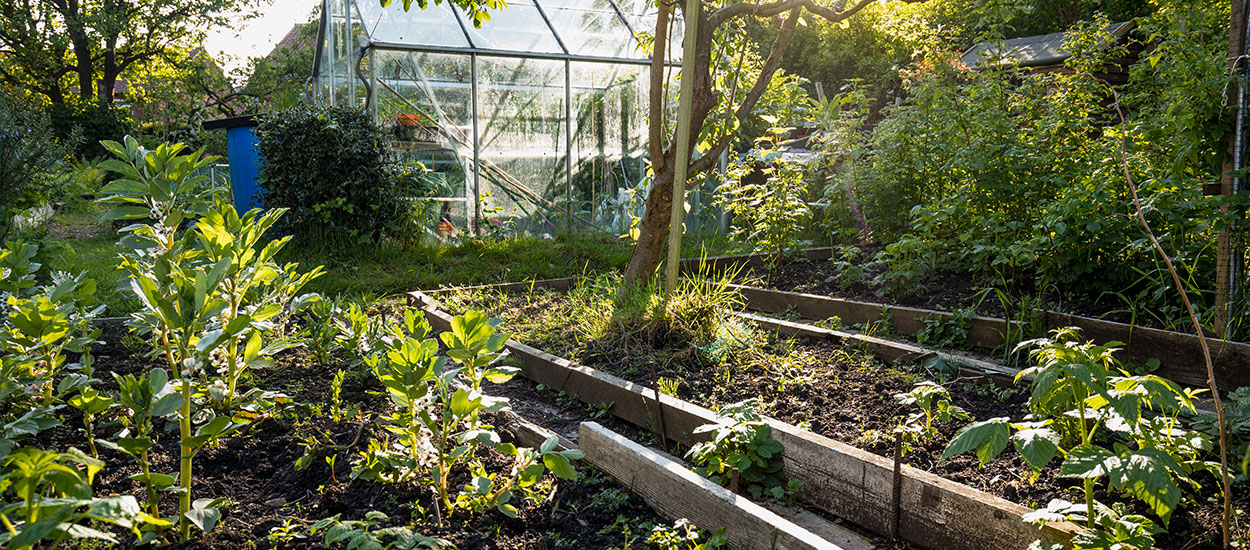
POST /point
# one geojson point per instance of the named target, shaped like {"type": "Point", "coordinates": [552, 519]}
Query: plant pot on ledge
{"type": "Point", "coordinates": [411, 127]}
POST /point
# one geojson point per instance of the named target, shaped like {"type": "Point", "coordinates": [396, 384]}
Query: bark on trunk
{"type": "Point", "coordinates": [653, 228]}
{"type": "Point", "coordinates": [111, 72]}
{"type": "Point", "coordinates": [83, 65]}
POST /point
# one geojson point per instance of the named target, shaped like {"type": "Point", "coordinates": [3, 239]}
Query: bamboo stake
{"type": "Point", "coordinates": [1189, 307]}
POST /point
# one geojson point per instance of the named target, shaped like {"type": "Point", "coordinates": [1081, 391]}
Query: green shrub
{"type": "Point", "coordinates": [1010, 175]}
{"type": "Point", "coordinates": [28, 147]}
{"type": "Point", "coordinates": [334, 169]}
{"type": "Point", "coordinates": [85, 126]}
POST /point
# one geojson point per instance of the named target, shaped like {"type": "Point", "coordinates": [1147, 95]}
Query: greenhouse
{"type": "Point", "coordinates": [535, 122]}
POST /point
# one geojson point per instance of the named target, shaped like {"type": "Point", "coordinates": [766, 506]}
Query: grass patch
{"type": "Point", "coordinates": [374, 271]}
{"type": "Point", "coordinates": [76, 241]}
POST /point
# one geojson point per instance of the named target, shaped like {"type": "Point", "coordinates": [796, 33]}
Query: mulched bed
{"type": "Point", "coordinates": [255, 471]}
{"type": "Point", "coordinates": [838, 393]}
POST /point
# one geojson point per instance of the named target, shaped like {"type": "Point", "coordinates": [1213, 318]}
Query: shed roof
{"type": "Point", "coordinates": [1031, 51]}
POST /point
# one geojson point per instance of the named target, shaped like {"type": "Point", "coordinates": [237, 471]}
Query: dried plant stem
{"type": "Point", "coordinates": [1189, 307]}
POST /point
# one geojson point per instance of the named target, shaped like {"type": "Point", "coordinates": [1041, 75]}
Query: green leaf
{"type": "Point", "coordinates": [203, 515]}
{"type": "Point", "coordinates": [988, 438]}
{"type": "Point", "coordinates": [560, 466]}
{"type": "Point", "coordinates": [549, 444]}
{"type": "Point", "coordinates": [167, 405]}
{"type": "Point", "coordinates": [462, 405]}
{"type": "Point", "coordinates": [1037, 445]}
{"type": "Point", "coordinates": [1089, 462]}
{"type": "Point", "coordinates": [500, 374]}
{"type": "Point", "coordinates": [1145, 475]}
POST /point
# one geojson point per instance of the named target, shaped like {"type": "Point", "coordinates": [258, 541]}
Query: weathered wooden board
{"type": "Point", "coordinates": [854, 484]}
{"type": "Point", "coordinates": [887, 350]}
{"type": "Point", "coordinates": [934, 512]}
{"type": "Point", "coordinates": [717, 264]}
{"type": "Point", "coordinates": [1179, 354]}
{"type": "Point", "coordinates": [985, 332]}
{"type": "Point", "coordinates": [676, 492]}
{"type": "Point", "coordinates": [561, 284]}
{"type": "Point", "coordinates": [820, 527]}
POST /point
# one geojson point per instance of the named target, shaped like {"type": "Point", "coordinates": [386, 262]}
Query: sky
{"type": "Point", "coordinates": [233, 45]}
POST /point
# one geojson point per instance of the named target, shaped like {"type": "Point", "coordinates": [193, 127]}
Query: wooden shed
{"type": "Point", "coordinates": [1045, 54]}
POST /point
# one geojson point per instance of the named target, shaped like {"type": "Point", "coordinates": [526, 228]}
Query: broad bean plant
{"type": "Point", "coordinates": [203, 290]}
{"type": "Point", "coordinates": [437, 423]}
{"type": "Point", "coordinates": [46, 496]}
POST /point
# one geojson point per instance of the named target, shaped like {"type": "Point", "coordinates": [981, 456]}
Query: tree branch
{"type": "Point", "coordinates": [778, 50]}
{"type": "Point", "coordinates": [657, 127]}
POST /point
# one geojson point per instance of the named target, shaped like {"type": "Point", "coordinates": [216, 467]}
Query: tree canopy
{"type": "Point", "coordinates": [74, 51]}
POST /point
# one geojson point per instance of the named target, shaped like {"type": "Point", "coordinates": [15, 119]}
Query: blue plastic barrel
{"type": "Point", "coordinates": [244, 159]}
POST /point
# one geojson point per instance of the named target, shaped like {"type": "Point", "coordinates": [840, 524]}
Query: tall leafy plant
{"type": "Point", "coordinates": [437, 419]}
{"type": "Point", "coordinates": [200, 290]}
{"type": "Point", "coordinates": [1106, 425]}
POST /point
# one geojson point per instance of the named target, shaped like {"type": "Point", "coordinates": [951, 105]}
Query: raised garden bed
{"type": "Point", "coordinates": [1178, 355]}
{"type": "Point", "coordinates": [836, 394]}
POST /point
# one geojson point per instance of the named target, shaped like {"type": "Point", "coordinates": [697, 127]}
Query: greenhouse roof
{"type": "Point", "coordinates": [582, 30]}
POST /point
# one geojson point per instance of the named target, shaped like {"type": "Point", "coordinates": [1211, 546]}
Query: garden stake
{"type": "Point", "coordinates": [896, 497]}
{"type": "Point", "coordinates": [1189, 307]}
{"type": "Point", "coordinates": [659, 405]}
{"type": "Point", "coordinates": [733, 480]}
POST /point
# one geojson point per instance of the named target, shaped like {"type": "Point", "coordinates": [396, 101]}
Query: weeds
{"type": "Point", "coordinates": [743, 449]}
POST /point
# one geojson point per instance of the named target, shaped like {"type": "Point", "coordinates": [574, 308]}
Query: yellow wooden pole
{"type": "Point", "coordinates": [683, 145]}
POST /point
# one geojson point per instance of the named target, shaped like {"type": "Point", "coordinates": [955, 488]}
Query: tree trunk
{"type": "Point", "coordinates": [77, 30]}
{"type": "Point", "coordinates": [653, 228]}
{"type": "Point", "coordinates": [111, 72]}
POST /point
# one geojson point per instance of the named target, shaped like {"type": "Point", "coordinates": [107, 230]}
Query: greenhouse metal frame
{"type": "Point", "coordinates": [535, 122]}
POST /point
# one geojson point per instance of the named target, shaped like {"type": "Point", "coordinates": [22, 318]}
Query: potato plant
{"type": "Point", "coordinates": [1106, 425]}
{"type": "Point", "coordinates": [934, 402]}
{"type": "Point", "coordinates": [742, 448]}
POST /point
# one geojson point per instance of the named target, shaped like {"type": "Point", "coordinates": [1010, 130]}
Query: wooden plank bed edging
{"type": "Point", "coordinates": [533, 435]}
{"type": "Point", "coordinates": [675, 491]}
{"type": "Point", "coordinates": [1179, 354]}
{"type": "Point", "coordinates": [716, 264]}
{"type": "Point", "coordinates": [887, 350]}
{"type": "Point", "coordinates": [851, 483]}
{"type": "Point", "coordinates": [561, 284]}
{"type": "Point", "coordinates": [986, 332]}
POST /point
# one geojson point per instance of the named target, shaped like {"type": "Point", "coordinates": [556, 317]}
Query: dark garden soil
{"type": "Point", "coordinates": [944, 292]}
{"type": "Point", "coordinates": [842, 394]}
{"type": "Point", "coordinates": [255, 472]}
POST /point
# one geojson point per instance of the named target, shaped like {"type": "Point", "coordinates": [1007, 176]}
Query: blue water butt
{"type": "Point", "coordinates": [244, 159]}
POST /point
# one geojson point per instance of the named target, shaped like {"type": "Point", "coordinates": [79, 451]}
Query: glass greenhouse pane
{"type": "Point", "coordinates": [517, 28]}
{"type": "Point", "coordinates": [424, 100]}
{"type": "Point", "coordinates": [591, 27]}
{"type": "Point", "coordinates": [641, 15]}
{"type": "Point", "coordinates": [434, 26]}
{"type": "Point", "coordinates": [609, 143]}
{"type": "Point", "coordinates": [522, 126]}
